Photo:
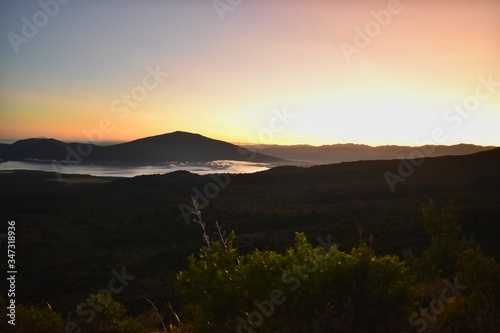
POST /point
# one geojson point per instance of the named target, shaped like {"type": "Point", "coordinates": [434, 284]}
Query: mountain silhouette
{"type": "Point", "coordinates": [188, 147]}
{"type": "Point", "coordinates": [171, 147]}
{"type": "Point", "coordinates": [326, 154]}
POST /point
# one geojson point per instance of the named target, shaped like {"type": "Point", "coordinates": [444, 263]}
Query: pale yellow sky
{"type": "Point", "coordinates": [227, 79]}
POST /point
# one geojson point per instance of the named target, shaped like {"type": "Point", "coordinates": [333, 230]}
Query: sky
{"type": "Point", "coordinates": [314, 72]}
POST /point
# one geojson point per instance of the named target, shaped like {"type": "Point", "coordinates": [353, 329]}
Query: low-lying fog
{"type": "Point", "coordinates": [119, 171]}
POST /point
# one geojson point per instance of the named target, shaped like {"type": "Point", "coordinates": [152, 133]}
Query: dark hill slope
{"type": "Point", "coordinates": [34, 149]}
{"type": "Point", "coordinates": [172, 147]}
{"type": "Point", "coordinates": [181, 147]}
{"type": "Point", "coordinates": [73, 234]}
{"type": "Point", "coordinates": [264, 207]}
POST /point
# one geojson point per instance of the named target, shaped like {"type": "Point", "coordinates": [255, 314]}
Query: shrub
{"type": "Point", "coordinates": [31, 319]}
{"type": "Point", "coordinates": [302, 290]}
{"type": "Point", "coordinates": [106, 316]}
{"type": "Point", "coordinates": [452, 257]}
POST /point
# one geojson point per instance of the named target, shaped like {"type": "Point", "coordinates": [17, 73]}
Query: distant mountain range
{"type": "Point", "coordinates": [171, 147]}
{"type": "Point", "coordinates": [189, 147]}
{"type": "Point", "coordinates": [327, 154]}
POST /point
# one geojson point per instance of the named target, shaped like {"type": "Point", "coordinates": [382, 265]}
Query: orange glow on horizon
{"type": "Point", "coordinates": [226, 79]}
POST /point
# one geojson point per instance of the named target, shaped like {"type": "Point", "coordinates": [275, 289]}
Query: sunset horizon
{"type": "Point", "coordinates": [376, 73]}
{"type": "Point", "coordinates": [239, 143]}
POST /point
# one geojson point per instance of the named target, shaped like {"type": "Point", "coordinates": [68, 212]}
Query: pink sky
{"type": "Point", "coordinates": [227, 78]}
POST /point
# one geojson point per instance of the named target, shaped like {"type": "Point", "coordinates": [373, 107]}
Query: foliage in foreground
{"type": "Point", "coordinates": [105, 316]}
{"type": "Point", "coordinates": [305, 289]}
{"type": "Point", "coordinates": [452, 287]}
{"type": "Point", "coordinates": [31, 319]}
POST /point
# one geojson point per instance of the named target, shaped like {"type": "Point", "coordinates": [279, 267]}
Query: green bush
{"type": "Point", "coordinates": [451, 257]}
{"type": "Point", "coordinates": [480, 309]}
{"type": "Point", "coordinates": [447, 242]}
{"type": "Point", "coordinates": [30, 319]}
{"type": "Point", "coordinates": [305, 289]}
{"type": "Point", "coordinates": [106, 316]}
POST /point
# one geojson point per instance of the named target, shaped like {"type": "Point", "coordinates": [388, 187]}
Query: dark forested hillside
{"type": "Point", "coordinates": [71, 234]}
